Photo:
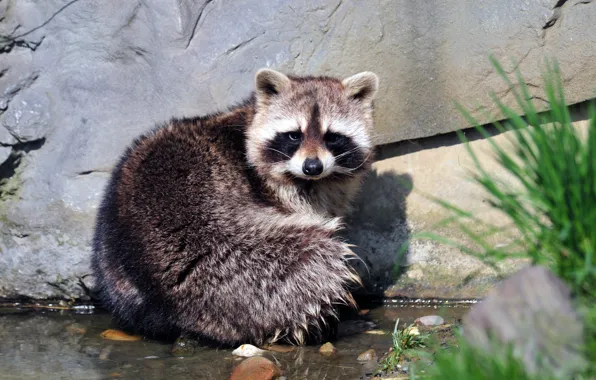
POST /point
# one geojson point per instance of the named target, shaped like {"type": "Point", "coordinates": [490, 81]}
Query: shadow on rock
{"type": "Point", "coordinates": [379, 229]}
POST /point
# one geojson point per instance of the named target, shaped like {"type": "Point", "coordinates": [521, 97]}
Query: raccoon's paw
{"type": "Point", "coordinates": [315, 289]}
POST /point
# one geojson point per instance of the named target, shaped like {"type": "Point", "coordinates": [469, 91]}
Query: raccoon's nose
{"type": "Point", "coordinates": [312, 166]}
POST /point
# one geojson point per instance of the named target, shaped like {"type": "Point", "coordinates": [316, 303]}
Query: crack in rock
{"type": "Point", "coordinates": [242, 44]}
{"type": "Point", "coordinates": [8, 42]}
{"type": "Point", "coordinates": [557, 13]}
{"type": "Point", "coordinates": [92, 171]}
{"type": "Point", "coordinates": [196, 25]}
{"type": "Point", "coordinates": [46, 22]}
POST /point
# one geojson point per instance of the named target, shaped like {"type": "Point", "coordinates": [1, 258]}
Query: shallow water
{"type": "Point", "coordinates": [38, 344]}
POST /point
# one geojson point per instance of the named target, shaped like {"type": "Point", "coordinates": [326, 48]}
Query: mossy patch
{"type": "Point", "coordinates": [10, 177]}
{"type": "Point", "coordinates": [435, 281]}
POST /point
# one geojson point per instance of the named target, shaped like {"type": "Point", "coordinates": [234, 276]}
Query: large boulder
{"type": "Point", "coordinates": [80, 79]}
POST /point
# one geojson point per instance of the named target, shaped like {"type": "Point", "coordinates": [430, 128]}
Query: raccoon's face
{"type": "Point", "coordinates": [312, 127]}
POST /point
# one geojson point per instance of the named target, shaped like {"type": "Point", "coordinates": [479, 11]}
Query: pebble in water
{"type": "Point", "coordinates": [76, 329]}
{"type": "Point", "coordinates": [248, 350]}
{"type": "Point", "coordinates": [105, 352]}
{"type": "Point", "coordinates": [367, 355]}
{"type": "Point", "coordinates": [375, 332]}
{"type": "Point", "coordinates": [256, 368]}
{"type": "Point", "coordinates": [119, 335]}
{"type": "Point", "coordinates": [327, 349]}
{"type": "Point", "coordinates": [430, 320]}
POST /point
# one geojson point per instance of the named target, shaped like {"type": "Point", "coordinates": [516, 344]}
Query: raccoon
{"type": "Point", "coordinates": [223, 227]}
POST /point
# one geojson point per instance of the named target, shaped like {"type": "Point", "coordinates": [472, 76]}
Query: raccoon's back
{"type": "Point", "coordinates": [165, 200]}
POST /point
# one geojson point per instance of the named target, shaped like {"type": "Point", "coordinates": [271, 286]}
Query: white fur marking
{"type": "Point", "coordinates": [273, 127]}
{"type": "Point", "coordinates": [353, 129]}
{"type": "Point", "coordinates": [324, 125]}
{"type": "Point", "coordinates": [295, 165]}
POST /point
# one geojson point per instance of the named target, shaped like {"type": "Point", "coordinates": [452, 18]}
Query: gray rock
{"type": "Point", "coordinates": [81, 79]}
{"type": "Point", "coordinates": [533, 311]}
{"type": "Point", "coordinates": [17, 75]}
{"type": "Point", "coordinates": [6, 138]}
{"type": "Point", "coordinates": [28, 117]}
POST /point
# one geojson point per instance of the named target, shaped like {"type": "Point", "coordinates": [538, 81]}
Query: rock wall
{"type": "Point", "coordinates": [80, 79]}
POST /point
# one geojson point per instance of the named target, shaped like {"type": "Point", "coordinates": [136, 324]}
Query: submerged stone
{"type": "Point", "coordinates": [256, 368]}
{"type": "Point", "coordinates": [327, 349]}
{"type": "Point", "coordinates": [76, 329]}
{"type": "Point", "coordinates": [111, 334]}
{"type": "Point", "coordinates": [367, 355]}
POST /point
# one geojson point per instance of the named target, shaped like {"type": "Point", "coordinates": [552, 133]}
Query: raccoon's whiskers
{"type": "Point", "coordinates": [344, 171]}
{"type": "Point", "coordinates": [376, 137]}
{"type": "Point", "coordinates": [275, 150]}
{"type": "Point", "coordinates": [363, 162]}
{"type": "Point", "coordinates": [347, 152]}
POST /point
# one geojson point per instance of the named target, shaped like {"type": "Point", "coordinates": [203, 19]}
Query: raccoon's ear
{"type": "Point", "coordinates": [362, 86]}
{"type": "Point", "coordinates": [270, 82]}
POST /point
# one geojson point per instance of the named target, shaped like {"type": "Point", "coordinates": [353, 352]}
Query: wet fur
{"type": "Point", "coordinates": [193, 238]}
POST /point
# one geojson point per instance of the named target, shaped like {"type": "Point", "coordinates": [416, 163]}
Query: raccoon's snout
{"type": "Point", "coordinates": [312, 166]}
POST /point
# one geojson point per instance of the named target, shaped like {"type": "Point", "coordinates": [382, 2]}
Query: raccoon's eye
{"type": "Point", "coordinates": [334, 138]}
{"type": "Point", "coordinates": [294, 136]}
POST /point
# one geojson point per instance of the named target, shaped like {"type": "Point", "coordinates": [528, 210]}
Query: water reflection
{"type": "Point", "coordinates": [67, 345]}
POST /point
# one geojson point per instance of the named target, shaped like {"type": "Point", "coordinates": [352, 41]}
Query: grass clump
{"type": "Point", "coordinates": [403, 340]}
{"type": "Point", "coordinates": [552, 211]}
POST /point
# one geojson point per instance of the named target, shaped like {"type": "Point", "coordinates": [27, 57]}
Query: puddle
{"type": "Point", "coordinates": [38, 344]}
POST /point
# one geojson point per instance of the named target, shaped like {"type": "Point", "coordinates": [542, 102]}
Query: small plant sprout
{"type": "Point", "coordinates": [404, 339]}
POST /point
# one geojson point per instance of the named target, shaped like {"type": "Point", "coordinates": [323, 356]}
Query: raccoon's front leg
{"type": "Point", "coordinates": [319, 281]}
